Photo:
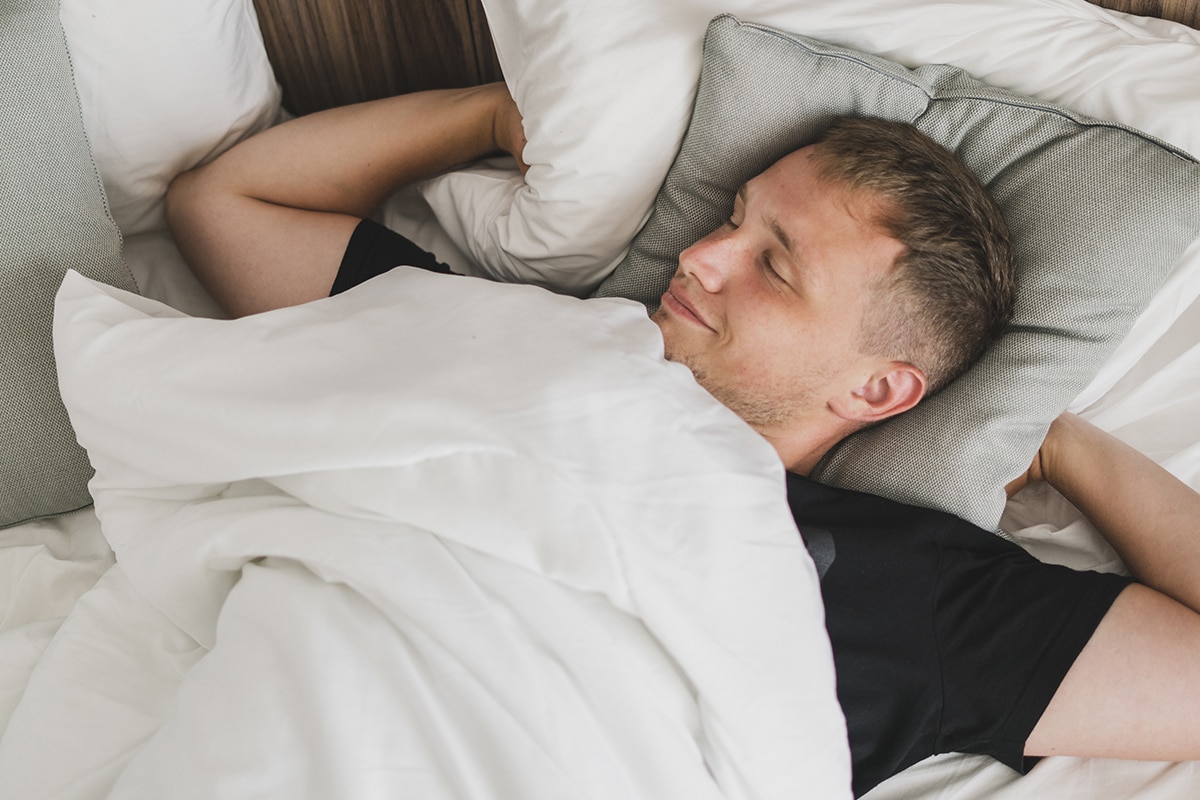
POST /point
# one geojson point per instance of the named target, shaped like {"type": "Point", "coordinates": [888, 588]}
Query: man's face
{"type": "Point", "coordinates": [766, 311]}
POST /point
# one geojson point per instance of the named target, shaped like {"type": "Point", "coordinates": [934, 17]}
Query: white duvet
{"type": "Point", "coordinates": [432, 538]}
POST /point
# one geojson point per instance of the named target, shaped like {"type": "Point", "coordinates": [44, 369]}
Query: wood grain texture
{"type": "Point", "coordinates": [333, 52]}
{"type": "Point", "coordinates": [1185, 11]}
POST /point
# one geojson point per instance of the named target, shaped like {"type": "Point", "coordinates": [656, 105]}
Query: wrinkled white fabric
{"type": "Point", "coordinates": [442, 539]}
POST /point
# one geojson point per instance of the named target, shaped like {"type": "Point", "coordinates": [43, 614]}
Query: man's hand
{"type": "Point", "coordinates": [508, 128]}
{"type": "Point", "coordinates": [1151, 518]}
{"type": "Point", "coordinates": [265, 224]}
{"type": "Point", "coordinates": [1042, 461]}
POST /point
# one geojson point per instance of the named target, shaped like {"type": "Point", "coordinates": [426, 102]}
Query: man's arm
{"type": "Point", "coordinates": [1134, 691]}
{"type": "Point", "coordinates": [1150, 517]}
{"type": "Point", "coordinates": [266, 223]}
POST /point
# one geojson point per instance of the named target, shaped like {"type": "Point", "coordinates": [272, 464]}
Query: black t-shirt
{"type": "Point", "coordinates": [946, 638]}
{"type": "Point", "coordinates": [374, 250]}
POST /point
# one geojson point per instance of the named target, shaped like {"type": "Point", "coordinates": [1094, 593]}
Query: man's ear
{"type": "Point", "coordinates": [891, 389]}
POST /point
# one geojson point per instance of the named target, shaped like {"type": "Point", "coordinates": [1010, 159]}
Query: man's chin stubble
{"type": "Point", "coordinates": [759, 412]}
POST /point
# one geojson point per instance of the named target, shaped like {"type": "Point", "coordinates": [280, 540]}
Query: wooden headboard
{"type": "Point", "coordinates": [333, 52]}
{"type": "Point", "coordinates": [1185, 11]}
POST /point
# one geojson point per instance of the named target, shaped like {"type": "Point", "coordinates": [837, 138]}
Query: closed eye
{"type": "Point", "coordinates": [765, 263]}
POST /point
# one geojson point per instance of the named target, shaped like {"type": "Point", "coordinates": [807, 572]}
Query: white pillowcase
{"type": "Point", "coordinates": [164, 85]}
{"type": "Point", "coordinates": [606, 91]}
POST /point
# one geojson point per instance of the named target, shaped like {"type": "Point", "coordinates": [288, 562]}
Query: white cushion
{"type": "Point", "coordinates": [606, 90]}
{"type": "Point", "coordinates": [164, 85]}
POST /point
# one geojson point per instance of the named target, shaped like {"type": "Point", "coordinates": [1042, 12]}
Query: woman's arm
{"type": "Point", "coordinates": [266, 223]}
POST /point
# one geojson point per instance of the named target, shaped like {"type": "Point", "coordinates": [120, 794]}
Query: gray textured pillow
{"type": "Point", "coordinates": [1099, 215]}
{"type": "Point", "coordinates": [53, 216]}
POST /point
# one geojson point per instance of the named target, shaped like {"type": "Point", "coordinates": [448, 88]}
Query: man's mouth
{"type": "Point", "coordinates": [677, 303]}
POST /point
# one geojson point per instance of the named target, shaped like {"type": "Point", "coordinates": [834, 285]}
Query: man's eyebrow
{"type": "Point", "coordinates": [743, 193]}
{"type": "Point", "coordinates": [789, 247]}
{"type": "Point", "coordinates": [783, 237]}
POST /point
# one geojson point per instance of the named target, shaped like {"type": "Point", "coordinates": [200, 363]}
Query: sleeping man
{"type": "Point", "coordinates": [853, 278]}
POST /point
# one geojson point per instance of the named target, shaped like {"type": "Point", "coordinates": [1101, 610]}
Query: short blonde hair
{"type": "Point", "coordinates": [951, 293]}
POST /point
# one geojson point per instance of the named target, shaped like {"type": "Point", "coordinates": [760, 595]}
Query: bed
{"type": "Point", "coordinates": [405, 602]}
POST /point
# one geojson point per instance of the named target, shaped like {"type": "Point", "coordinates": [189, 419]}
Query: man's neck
{"type": "Point", "coordinates": [802, 446]}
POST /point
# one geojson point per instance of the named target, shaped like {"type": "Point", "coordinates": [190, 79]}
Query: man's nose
{"type": "Point", "coordinates": [711, 260]}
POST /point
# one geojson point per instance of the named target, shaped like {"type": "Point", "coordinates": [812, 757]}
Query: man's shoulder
{"type": "Point", "coordinates": [815, 504]}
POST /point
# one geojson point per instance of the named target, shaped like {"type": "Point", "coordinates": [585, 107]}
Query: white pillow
{"type": "Point", "coordinates": [164, 85]}
{"type": "Point", "coordinates": [606, 90]}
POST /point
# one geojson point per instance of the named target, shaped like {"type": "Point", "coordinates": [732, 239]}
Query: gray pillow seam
{"type": "Point", "coordinates": [92, 160]}
{"type": "Point", "coordinates": [1048, 107]}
